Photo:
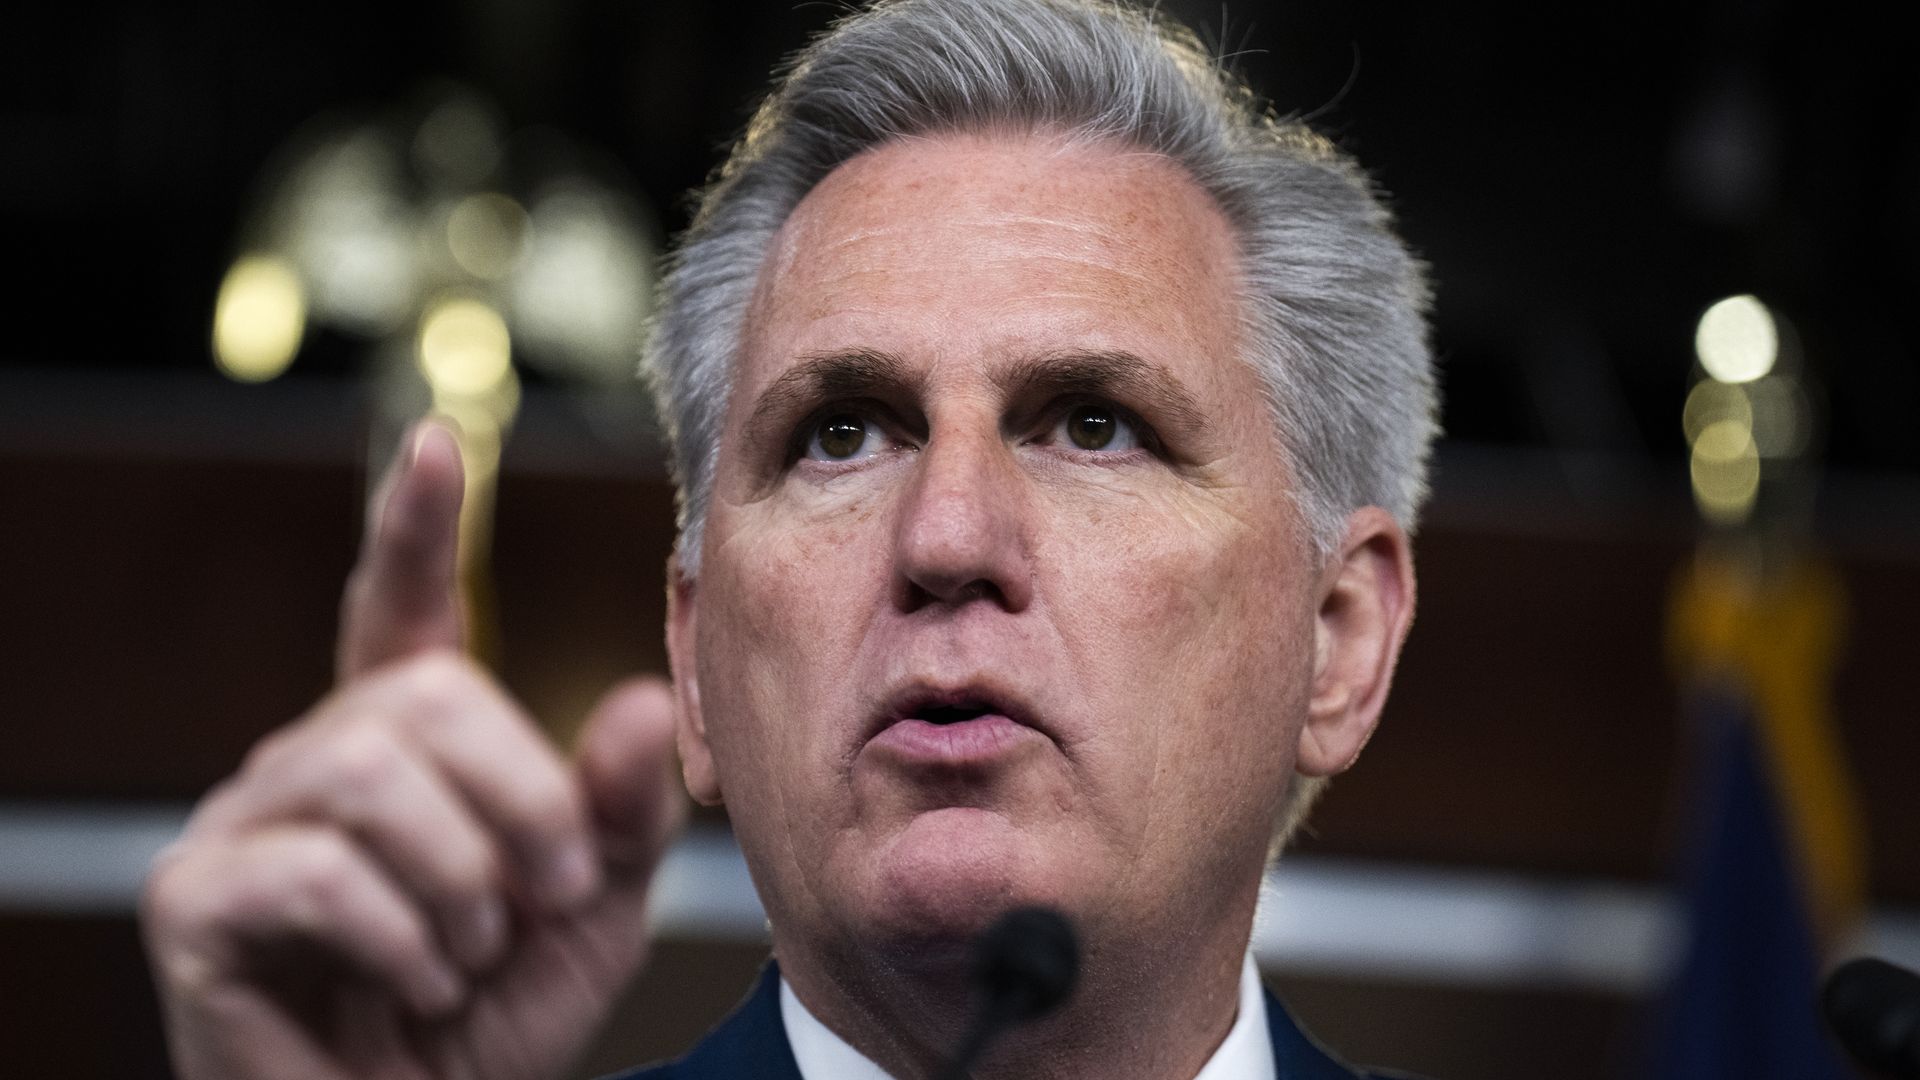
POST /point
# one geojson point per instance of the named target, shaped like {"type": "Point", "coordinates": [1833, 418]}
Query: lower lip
{"type": "Point", "coordinates": [968, 743]}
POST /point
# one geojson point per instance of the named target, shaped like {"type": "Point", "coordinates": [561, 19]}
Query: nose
{"type": "Point", "coordinates": [963, 529]}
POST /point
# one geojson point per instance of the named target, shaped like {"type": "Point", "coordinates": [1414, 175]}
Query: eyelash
{"type": "Point", "coordinates": [886, 426]}
{"type": "Point", "coordinates": [1147, 439]}
{"type": "Point", "coordinates": [871, 412]}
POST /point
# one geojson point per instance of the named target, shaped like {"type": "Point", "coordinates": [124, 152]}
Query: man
{"type": "Point", "coordinates": [1048, 423]}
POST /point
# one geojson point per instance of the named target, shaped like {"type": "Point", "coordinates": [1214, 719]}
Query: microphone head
{"type": "Point", "coordinates": [1027, 962]}
{"type": "Point", "coordinates": [1874, 1007]}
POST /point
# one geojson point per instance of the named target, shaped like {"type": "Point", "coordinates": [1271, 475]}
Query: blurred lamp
{"type": "Point", "coordinates": [1736, 340]}
{"type": "Point", "coordinates": [258, 319]}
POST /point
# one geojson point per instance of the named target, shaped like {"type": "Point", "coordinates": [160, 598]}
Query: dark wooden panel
{"type": "Point", "coordinates": [1874, 701]}
{"type": "Point", "coordinates": [580, 568]}
{"type": "Point", "coordinates": [1532, 721]}
{"type": "Point", "coordinates": [1459, 1033]}
{"type": "Point", "coordinates": [162, 613]}
{"type": "Point", "coordinates": [75, 1000]}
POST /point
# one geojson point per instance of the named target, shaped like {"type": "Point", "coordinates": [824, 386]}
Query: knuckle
{"type": "Point", "coordinates": [237, 884]}
{"type": "Point", "coordinates": [320, 865]}
{"type": "Point", "coordinates": [546, 803]}
{"type": "Point", "coordinates": [439, 681]}
{"type": "Point", "coordinates": [466, 865]}
{"type": "Point", "coordinates": [363, 761]}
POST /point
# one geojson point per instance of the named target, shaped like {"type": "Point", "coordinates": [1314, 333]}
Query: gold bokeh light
{"type": "Point", "coordinates": [1726, 471]}
{"type": "Point", "coordinates": [486, 234]}
{"type": "Point", "coordinates": [1710, 402]}
{"type": "Point", "coordinates": [1737, 340]}
{"type": "Point", "coordinates": [464, 348]}
{"type": "Point", "coordinates": [259, 318]}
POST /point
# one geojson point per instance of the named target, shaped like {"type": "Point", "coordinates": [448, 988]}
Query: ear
{"type": "Point", "coordinates": [1366, 606]}
{"type": "Point", "coordinates": [689, 726]}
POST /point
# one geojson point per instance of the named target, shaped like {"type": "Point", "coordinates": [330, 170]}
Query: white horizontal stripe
{"type": "Point", "coordinates": [82, 858]}
{"type": "Point", "coordinates": [1339, 917]}
{"type": "Point", "coordinates": [1354, 917]}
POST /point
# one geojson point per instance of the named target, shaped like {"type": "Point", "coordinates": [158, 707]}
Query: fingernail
{"type": "Point", "coordinates": [421, 430]}
{"type": "Point", "coordinates": [567, 877]}
{"type": "Point", "coordinates": [481, 932]}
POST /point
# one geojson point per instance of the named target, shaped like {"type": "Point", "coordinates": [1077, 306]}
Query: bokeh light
{"type": "Point", "coordinates": [486, 234]}
{"type": "Point", "coordinates": [1737, 340]}
{"type": "Point", "coordinates": [459, 144]}
{"type": "Point", "coordinates": [258, 319]}
{"type": "Point", "coordinates": [346, 220]}
{"type": "Point", "coordinates": [582, 289]}
{"type": "Point", "coordinates": [1782, 416]}
{"type": "Point", "coordinates": [464, 349]}
{"type": "Point", "coordinates": [1711, 401]}
{"type": "Point", "coordinates": [1726, 472]}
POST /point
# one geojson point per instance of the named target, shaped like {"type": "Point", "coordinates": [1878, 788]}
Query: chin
{"type": "Point", "coordinates": [951, 872]}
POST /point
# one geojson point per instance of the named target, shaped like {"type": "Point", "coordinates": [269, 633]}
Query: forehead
{"type": "Point", "coordinates": [978, 247]}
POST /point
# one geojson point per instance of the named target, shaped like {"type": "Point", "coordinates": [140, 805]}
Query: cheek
{"type": "Point", "coordinates": [1199, 620]}
{"type": "Point", "coordinates": [1164, 577]}
{"type": "Point", "coordinates": [791, 571]}
{"type": "Point", "coordinates": [782, 609]}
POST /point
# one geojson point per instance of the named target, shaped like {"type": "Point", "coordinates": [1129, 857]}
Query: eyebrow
{"type": "Point", "coordinates": [1151, 388]}
{"type": "Point", "coordinates": [821, 377]}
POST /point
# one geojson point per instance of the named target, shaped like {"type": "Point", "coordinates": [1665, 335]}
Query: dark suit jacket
{"type": "Point", "coordinates": [751, 1044]}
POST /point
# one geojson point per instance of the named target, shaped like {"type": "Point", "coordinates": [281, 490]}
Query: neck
{"type": "Point", "coordinates": [1153, 1012]}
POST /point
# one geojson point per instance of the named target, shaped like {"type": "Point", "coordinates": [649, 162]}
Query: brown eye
{"type": "Point", "coordinates": [1091, 427]}
{"type": "Point", "coordinates": [838, 438]}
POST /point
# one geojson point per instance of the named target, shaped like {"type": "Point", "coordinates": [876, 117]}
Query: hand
{"type": "Point", "coordinates": [409, 881]}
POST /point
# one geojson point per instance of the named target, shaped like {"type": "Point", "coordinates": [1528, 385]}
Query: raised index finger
{"type": "Point", "coordinates": [403, 595]}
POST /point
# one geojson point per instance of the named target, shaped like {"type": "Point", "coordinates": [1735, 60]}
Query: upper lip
{"type": "Point", "coordinates": [917, 697]}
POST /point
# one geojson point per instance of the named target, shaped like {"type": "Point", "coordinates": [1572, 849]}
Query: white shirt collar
{"type": "Point", "coordinates": [1245, 1054]}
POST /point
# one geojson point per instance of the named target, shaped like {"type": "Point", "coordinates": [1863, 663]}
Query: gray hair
{"type": "Point", "coordinates": [1334, 302]}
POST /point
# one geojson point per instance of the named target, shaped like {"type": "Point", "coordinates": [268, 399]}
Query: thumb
{"type": "Point", "coordinates": [625, 760]}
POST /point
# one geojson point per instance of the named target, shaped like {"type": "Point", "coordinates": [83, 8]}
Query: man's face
{"type": "Point", "coordinates": [1003, 597]}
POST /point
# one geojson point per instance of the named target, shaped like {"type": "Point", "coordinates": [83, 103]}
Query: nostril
{"type": "Point", "coordinates": [916, 594]}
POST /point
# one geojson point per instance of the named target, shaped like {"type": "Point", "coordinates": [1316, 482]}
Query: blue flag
{"type": "Point", "coordinates": [1773, 856]}
{"type": "Point", "coordinates": [1742, 1004]}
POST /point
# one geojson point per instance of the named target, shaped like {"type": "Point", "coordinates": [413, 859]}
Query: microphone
{"type": "Point", "coordinates": [1874, 1008]}
{"type": "Point", "coordinates": [1024, 966]}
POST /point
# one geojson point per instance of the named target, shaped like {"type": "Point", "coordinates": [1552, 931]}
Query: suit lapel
{"type": "Point", "coordinates": [1295, 1055]}
{"type": "Point", "coordinates": [750, 1043]}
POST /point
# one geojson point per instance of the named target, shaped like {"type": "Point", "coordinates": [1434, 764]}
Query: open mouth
{"type": "Point", "coordinates": [951, 707]}
{"type": "Point", "coordinates": [968, 727]}
{"type": "Point", "coordinates": [952, 714]}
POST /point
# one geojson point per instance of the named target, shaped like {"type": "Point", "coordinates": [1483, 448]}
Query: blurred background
{"type": "Point", "coordinates": [1679, 494]}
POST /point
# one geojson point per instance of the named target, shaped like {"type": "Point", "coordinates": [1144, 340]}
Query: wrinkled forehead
{"type": "Point", "coordinates": [998, 243]}
{"type": "Point", "coordinates": [1105, 198]}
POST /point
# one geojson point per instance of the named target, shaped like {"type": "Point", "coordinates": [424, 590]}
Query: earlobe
{"type": "Point", "coordinates": [1366, 607]}
{"type": "Point", "coordinates": [689, 725]}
